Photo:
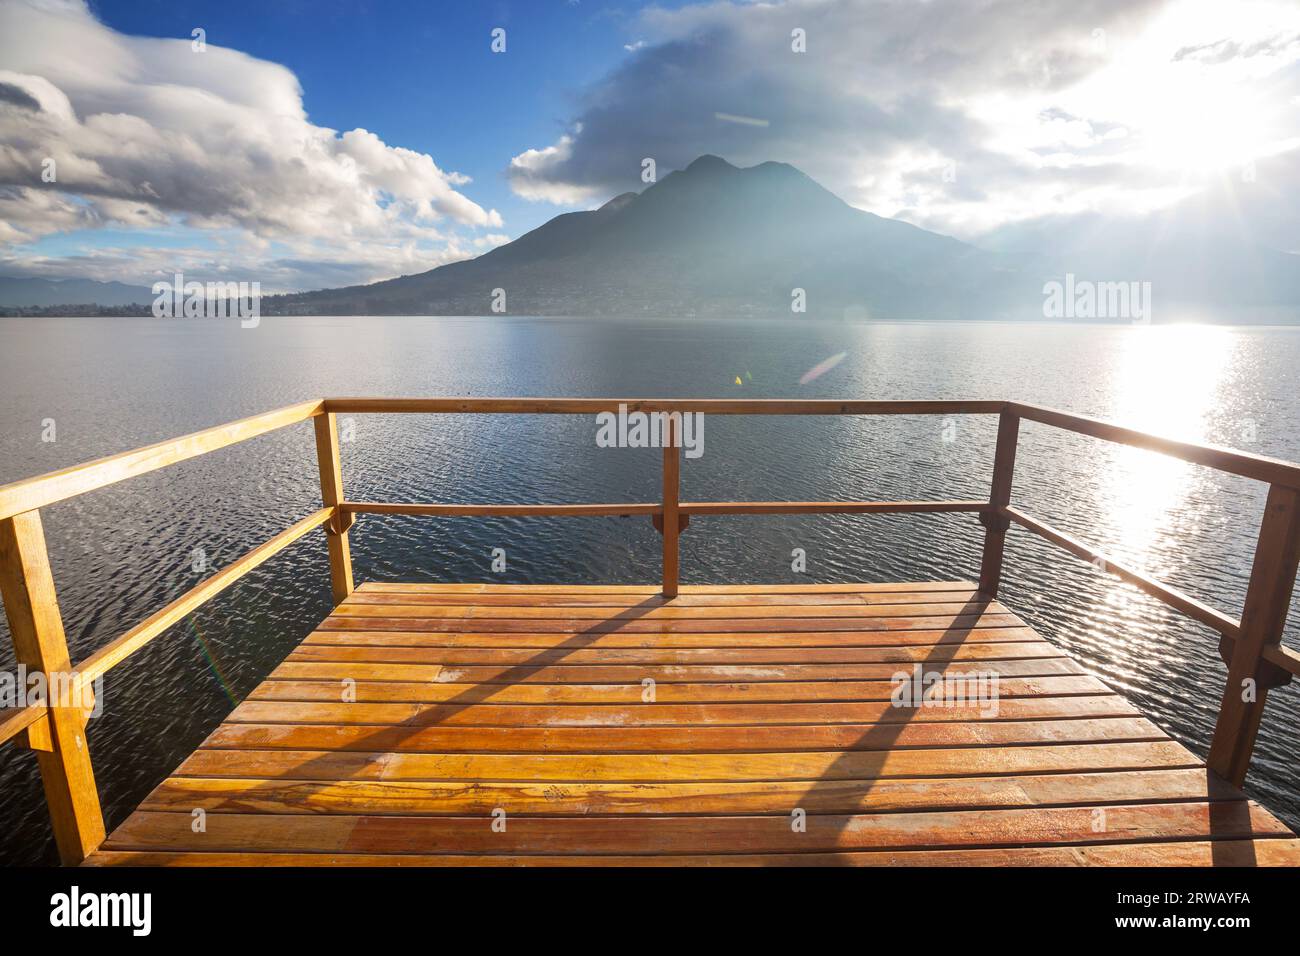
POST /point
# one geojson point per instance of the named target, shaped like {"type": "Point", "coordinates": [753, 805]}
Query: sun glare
{"type": "Point", "coordinates": [1196, 125]}
{"type": "Point", "coordinates": [1168, 380]}
{"type": "Point", "coordinates": [1193, 91]}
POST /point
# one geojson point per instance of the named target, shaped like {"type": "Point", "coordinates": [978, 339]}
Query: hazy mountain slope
{"type": "Point", "coordinates": [18, 292]}
{"type": "Point", "coordinates": [709, 239]}
{"type": "Point", "coordinates": [1198, 269]}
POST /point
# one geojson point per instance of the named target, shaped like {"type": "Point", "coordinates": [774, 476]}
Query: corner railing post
{"type": "Point", "coordinates": [672, 494]}
{"type": "Point", "coordinates": [40, 644]}
{"type": "Point", "coordinates": [1268, 597]}
{"type": "Point", "coordinates": [995, 523]}
{"type": "Point", "coordinates": [331, 493]}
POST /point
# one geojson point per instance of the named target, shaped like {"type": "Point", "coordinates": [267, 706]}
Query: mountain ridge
{"type": "Point", "coordinates": [40, 292]}
{"type": "Point", "coordinates": [765, 240]}
{"type": "Point", "coordinates": [712, 238]}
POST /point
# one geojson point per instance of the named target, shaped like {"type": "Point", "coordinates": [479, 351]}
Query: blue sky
{"type": "Point", "coordinates": [421, 76]}
{"type": "Point", "coordinates": [315, 143]}
{"type": "Point", "coordinates": [420, 73]}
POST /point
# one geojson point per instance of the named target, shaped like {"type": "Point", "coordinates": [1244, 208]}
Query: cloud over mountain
{"type": "Point", "coordinates": [956, 115]}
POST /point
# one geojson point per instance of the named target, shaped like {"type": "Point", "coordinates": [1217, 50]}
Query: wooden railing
{"type": "Point", "coordinates": [55, 728]}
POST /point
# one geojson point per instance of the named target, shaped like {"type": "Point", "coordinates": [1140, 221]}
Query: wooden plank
{"type": "Point", "coordinates": [649, 589]}
{"type": "Point", "coordinates": [315, 649]}
{"type": "Point", "coordinates": [699, 835]}
{"type": "Point", "coordinates": [328, 682]}
{"type": "Point", "coordinates": [464, 700]}
{"type": "Point", "coordinates": [876, 632]}
{"type": "Point", "coordinates": [575, 631]}
{"type": "Point", "coordinates": [634, 674]}
{"type": "Point", "coordinates": [435, 739]}
{"type": "Point", "coordinates": [665, 612]}
{"type": "Point", "coordinates": [468, 713]}
{"type": "Point", "coordinates": [33, 493]}
{"type": "Point", "coordinates": [688, 767]}
{"type": "Point", "coordinates": [227, 795]}
{"type": "Point", "coordinates": [331, 491]}
{"type": "Point", "coordinates": [627, 602]}
{"type": "Point", "coordinates": [1188, 853]}
{"type": "Point", "coordinates": [1268, 600]}
{"type": "Point", "coordinates": [36, 628]}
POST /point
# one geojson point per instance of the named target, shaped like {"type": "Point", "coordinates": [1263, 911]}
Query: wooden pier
{"type": "Point", "coordinates": [576, 724]}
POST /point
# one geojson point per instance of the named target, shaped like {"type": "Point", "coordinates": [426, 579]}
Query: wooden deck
{"type": "Point", "coordinates": [499, 725]}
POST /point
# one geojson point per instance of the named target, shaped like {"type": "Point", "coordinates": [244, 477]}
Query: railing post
{"type": "Point", "coordinates": [672, 494]}
{"type": "Point", "coordinates": [995, 523]}
{"type": "Point", "coordinates": [331, 493]}
{"type": "Point", "coordinates": [39, 643]}
{"type": "Point", "coordinates": [1268, 597]}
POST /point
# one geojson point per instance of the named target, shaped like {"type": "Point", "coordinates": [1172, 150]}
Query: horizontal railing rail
{"type": "Point", "coordinates": [1273, 471]}
{"type": "Point", "coordinates": [710, 406]}
{"type": "Point", "coordinates": [54, 728]}
{"type": "Point", "coordinates": [630, 508]}
{"type": "Point", "coordinates": [34, 493]}
{"type": "Point", "coordinates": [1175, 598]}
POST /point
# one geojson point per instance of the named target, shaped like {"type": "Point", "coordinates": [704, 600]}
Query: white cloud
{"type": "Point", "coordinates": [237, 254]}
{"type": "Point", "coordinates": [490, 241]}
{"type": "Point", "coordinates": [533, 175]}
{"type": "Point", "coordinates": [149, 132]}
{"type": "Point", "coordinates": [958, 116]}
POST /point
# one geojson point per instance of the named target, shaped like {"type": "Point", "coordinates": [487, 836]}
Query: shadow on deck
{"type": "Point", "coordinates": [503, 725]}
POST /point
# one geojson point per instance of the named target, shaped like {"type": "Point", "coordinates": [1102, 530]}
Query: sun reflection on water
{"type": "Point", "coordinates": [1167, 381]}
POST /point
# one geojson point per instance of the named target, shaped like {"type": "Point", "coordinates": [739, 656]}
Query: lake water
{"type": "Point", "coordinates": [122, 552]}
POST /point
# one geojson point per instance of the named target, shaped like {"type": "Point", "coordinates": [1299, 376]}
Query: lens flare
{"type": "Point", "coordinates": [822, 367]}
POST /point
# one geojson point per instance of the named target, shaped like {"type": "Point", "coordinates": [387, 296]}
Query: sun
{"type": "Point", "coordinates": [1199, 126]}
{"type": "Point", "coordinates": [1197, 91]}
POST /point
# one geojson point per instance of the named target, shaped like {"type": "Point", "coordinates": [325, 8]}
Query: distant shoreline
{"type": "Point", "coordinates": [144, 312]}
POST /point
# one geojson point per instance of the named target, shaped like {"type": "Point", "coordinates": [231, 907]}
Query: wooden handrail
{"type": "Point", "coordinates": [828, 507]}
{"type": "Point", "coordinates": [1271, 470]}
{"type": "Point", "coordinates": [1252, 647]}
{"type": "Point", "coordinates": [710, 406]}
{"type": "Point", "coordinates": [630, 508]}
{"type": "Point", "coordinates": [17, 720]}
{"type": "Point", "coordinates": [33, 493]}
{"type": "Point", "coordinates": [1175, 598]}
{"type": "Point", "coordinates": [113, 653]}
{"type": "Point", "coordinates": [626, 509]}
{"type": "Point", "coordinates": [1283, 658]}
